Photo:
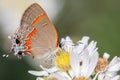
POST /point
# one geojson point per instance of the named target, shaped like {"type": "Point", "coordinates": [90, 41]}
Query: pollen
{"type": "Point", "coordinates": [63, 60]}
{"type": "Point", "coordinates": [102, 64]}
{"type": "Point", "coordinates": [81, 78]}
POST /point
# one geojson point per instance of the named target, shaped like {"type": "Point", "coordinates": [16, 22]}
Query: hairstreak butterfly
{"type": "Point", "coordinates": [36, 34]}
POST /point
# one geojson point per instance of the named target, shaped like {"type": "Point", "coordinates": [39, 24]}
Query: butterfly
{"type": "Point", "coordinates": [36, 34]}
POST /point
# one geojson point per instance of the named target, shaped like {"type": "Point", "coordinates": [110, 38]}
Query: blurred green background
{"type": "Point", "coordinates": [98, 19]}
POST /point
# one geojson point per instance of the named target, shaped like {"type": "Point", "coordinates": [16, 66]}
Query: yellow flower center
{"type": "Point", "coordinates": [80, 78]}
{"type": "Point", "coordinates": [102, 64]}
{"type": "Point", "coordinates": [63, 60]}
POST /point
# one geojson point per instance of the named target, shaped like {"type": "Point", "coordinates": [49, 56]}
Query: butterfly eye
{"type": "Point", "coordinates": [17, 41]}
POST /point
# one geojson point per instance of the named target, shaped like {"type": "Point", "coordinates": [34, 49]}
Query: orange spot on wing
{"type": "Point", "coordinates": [29, 47]}
{"type": "Point", "coordinates": [27, 42]}
{"type": "Point", "coordinates": [32, 33]}
{"type": "Point", "coordinates": [57, 41]}
{"type": "Point", "coordinates": [37, 19]}
{"type": "Point", "coordinates": [57, 38]}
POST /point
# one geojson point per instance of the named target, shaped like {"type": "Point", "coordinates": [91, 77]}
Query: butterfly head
{"type": "Point", "coordinates": [18, 47]}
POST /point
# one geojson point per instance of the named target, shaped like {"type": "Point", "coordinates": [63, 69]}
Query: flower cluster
{"type": "Point", "coordinates": [80, 61]}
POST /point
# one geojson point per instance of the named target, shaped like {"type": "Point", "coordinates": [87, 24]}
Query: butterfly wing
{"type": "Point", "coordinates": [38, 31]}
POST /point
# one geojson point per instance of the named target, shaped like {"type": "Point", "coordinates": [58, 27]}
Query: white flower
{"type": "Point", "coordinates": [82, 44]}
{"type": "Point", "coordinates": [84, 40]}
{"type": "Point", "coordinates": [66, 44]}
{"type": "Point", "coordinates": [80, 62]}
{"type": "Point", "coordinates": [55, 76]}
{"type": "Point", "coordinates": [83, 64]}
{"type": "Point", "coordinates": [45, 71]}
{"type": "Point", "coordinates": [60, 76]}
{"type": "Point", "coordinates": [103, 77]}
{"type": "Point", "coordinates": [51, 74]}
{"type": "Point", "coordinates": [66, 41]}
{"type": "Point", "coordinates": [110, 71]}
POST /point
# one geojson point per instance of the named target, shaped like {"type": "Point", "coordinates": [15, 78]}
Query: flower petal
{"type": "Point", "coordinates": [116, 77]}
{"type": "Point", "coordinates": [114, 64]}
{"type": "Point", "coordinates": [106, 56]}
{"type": "Point", "coordinates": [60, 76]}
{"type": "Point", "coordinates": [84, 40]}
{"type": "Point", "coordinates": [39, 78]}
{"type": "Point", "coordinates": [38, 73]}
{"type": "Point", "coordinates": [91, 47]}
{"type": "Point", "coordinates": [92, 63]}
{"type": "Point", "coordinates": [74, 61]}
{"type": "Point", "coordinates": [101, 76]}
{"type": "Point", "coordinates": [50, 70]}
{"type": "Point", "coordinates": [85, 63]}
